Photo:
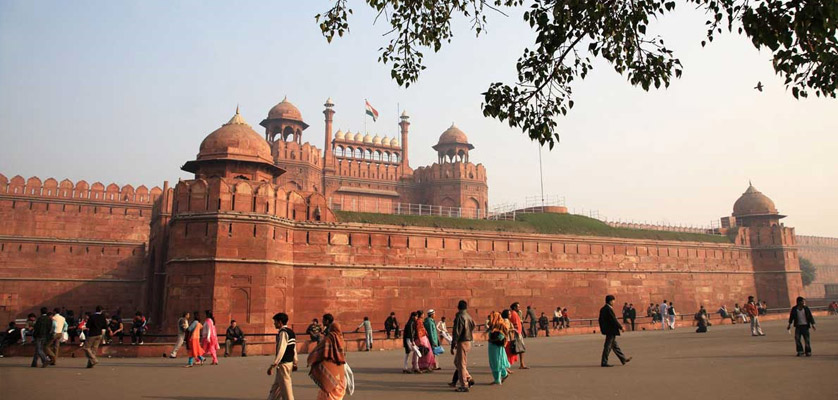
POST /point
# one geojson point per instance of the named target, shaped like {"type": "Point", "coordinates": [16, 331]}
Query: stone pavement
{"type": "Point", "coordinates": [726, 363]}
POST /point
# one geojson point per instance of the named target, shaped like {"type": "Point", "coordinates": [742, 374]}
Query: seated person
{"type": "Point", "coordinates": [234, 336]}
{"type": "Point", "coordinates": [115, 328]}
{"type": "Point", "coordinates": [9, 337]}
{"type": "Point", "coordinates": [726, 315]}
{"type": "Point", "coordinates": [544, 324]}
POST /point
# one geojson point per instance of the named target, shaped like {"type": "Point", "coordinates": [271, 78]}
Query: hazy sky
{"type": "Point", "coordinates": [124, 91]}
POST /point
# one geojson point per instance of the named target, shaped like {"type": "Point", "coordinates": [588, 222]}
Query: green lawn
{"type": "Point", "coordinates": [564, 224]}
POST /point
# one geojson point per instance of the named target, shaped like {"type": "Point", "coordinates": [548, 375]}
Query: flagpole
{"type": "Point", "coordinates": [365, 116]}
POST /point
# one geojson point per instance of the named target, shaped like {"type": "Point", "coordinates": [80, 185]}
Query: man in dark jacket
{"type": "Point", "coordinates": [632, 314]}
{"type": "Point", "coordinates": [391, 324]}
{"type": "Point", "coordinates": [233, 337]}
{"type": "Point", "coordinates": [610, 327]}
{"type": "Point", "coordinates": [41, 335]}
{"type": "Point", "coordinates": [802, 319]}
{"type": "Point", "coordinates": [461, 345]}
{"type": "Point", "coordinates": [96, 326]}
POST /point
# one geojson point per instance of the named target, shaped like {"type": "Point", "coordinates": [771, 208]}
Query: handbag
{"type": "Point", "coordinates": [496, 338]}
{"type": "Point", "coordinates": [518, 346]}
{"type": "Point", "coordinates": [65, 337]}
{"type": "Point", "coordinates": [438, 350]}
{"type": "Point", "coordinates": [350, 379]}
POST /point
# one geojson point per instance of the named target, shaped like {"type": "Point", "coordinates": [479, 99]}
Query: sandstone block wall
{"type": "Point", "coordinates": [72, 245]}
{"type": "Point", "coordinates": [823, 253]}
{"type": "Point", "coordinates": [356, 271]}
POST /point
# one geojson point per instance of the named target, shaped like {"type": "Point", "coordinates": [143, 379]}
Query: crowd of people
{"type": "Point", "coordinates": [422, 337]}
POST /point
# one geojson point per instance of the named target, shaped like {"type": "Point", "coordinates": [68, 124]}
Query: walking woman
{"type": "Point", "coordinates": [510, 355]}
{"type": "Point", "coordinates": [518, 326]}
{"type": "Point", "coordinates": [194, 343]}
{"type": "Point", "coordinates": [411, 359]}
{"type": "Point", "coordinates": [327, 362]}
{"type": "Point", "coordinates": [209, 338]}
{"type": "Point", "coordinates": [498, 337]}
{"type": "Point", "coordinates": [427, 362]}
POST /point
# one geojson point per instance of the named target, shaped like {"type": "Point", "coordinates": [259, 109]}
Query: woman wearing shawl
{"type": "Point", "coordinates": [427, 362]}
{"type": "Point", "coordinates": [498, 337]}
{"type": "Point", "coordinates": [194, 343]}
{"type": "Point", "coordinates": [518, 327]}
{"type": "Point", "coordinates": [512, 357]}
{"type": "Point", "coordinates": [209, 338]}
{"type": "Point", "coordinates": [327, 362]}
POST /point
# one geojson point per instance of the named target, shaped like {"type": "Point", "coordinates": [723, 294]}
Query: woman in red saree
{"type": "Point", "coordinates": [327, 362]}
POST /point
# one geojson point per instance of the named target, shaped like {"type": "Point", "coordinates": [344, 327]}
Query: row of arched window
{"type": "Point", "coordinates": [366, 154]}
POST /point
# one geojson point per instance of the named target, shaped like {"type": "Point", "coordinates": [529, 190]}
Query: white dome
{"type": "Point", "coordinates": [340, 135]}
{"type": "Point", "coordinates": [394, 142]}
{"type": "Point", "coordinates": [359, 137]}
{"type": "Point", "coordinates": [376, 139]}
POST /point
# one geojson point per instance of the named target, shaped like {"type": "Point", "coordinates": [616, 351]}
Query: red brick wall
{"type": "Point", "coordinates": [72, 245]}
{"type": "Point", "coordinates": [823, 253]}
{"type": "Point", "coordinates": [401, 270]}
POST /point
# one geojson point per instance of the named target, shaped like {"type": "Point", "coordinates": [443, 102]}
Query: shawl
{"type": "Point", "coordinates": [420, 328]}
{"type": "Point", "coordinates": [331, 348]}
{"type": "Point", "coordinates": [209, 336]}
{"type": "Point", "coordinates": [497, 324]}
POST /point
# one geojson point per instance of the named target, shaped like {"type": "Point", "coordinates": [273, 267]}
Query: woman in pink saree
{"type": "Point", "coordinates": [209, 338]}
{"type": "Point", "coordinates": [427, 362]}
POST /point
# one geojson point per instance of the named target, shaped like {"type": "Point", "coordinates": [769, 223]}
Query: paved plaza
{"type": "Point", "coordinates": [726, 363]}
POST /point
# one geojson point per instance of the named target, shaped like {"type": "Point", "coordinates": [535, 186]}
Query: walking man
{"type": "Point", "coordinates": [285, 360]}
{"type": "Point", "coordinates": [533, 321]}
{"type": "Point", "coordinates": [41, 334]}
{"type": "Point", "coordinates": [753, 313]}
{"type": "Point", "coordinates": [802, 319]}
{"type": "Point", "coordinates": [182, 327]}
{"type": "Point", "coordinates": [59, 329]}
{"type": "Point", "coordinates": [95, 327]}
{"type": "Point", "coordinates": [460, 346]}
{"type": "Point", "coordinates": [610, 327]}
{"type": "Point", "coordinates": [367, 332]}
{"type": "Point", "coordinates": [233, 337]}
{"type": "Point", "coordinates": [664, 313]}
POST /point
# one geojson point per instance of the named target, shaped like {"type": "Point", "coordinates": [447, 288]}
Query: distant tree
{"type": "Point", "coordinates": [800, 34]}
{"type": "Point", "coordinates": [807, 271]}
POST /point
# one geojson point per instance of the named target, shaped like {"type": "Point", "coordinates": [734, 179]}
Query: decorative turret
{"type": "Point", "coordinates": [286, 121]}
{"type": "Point", "coordinates": [453, 146]}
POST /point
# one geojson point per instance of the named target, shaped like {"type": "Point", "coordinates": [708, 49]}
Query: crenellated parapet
{"type": "Point", "coordinates": [219, 195]}
{"type": "Point", "coordinates": [81, 190]}
{"type": "Point", "coordinates": [293, 151]}
{"type": "Point", "coordinates": [450, 171]}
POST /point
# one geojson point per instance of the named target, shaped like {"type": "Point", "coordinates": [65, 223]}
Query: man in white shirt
{"type": "Point", "coordinates": [59, 325]}
{"type": "Point", "coordinates": [443, 330]}
{"type": "Point", "coordinates": [664, 314]}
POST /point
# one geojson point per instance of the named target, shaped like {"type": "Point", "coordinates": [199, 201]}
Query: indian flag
{"type": "Point", "coordinates": [371, 111]}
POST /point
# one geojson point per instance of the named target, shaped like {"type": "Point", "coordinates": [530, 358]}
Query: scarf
{"type": "Point", "coordinates": [331, 348]}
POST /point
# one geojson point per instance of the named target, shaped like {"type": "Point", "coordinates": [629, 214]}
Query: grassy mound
{"type": "Point", "coordinates": [561, 224]}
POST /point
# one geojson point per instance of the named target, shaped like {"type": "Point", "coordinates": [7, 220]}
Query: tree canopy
{"type": "Point", "coordinates": [570, 34]}
{"type": "Point", "coordinates": [807, 271]}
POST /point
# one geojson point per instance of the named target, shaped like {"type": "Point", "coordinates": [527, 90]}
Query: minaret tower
{"type": "Point", "coordinates": [328, 155]}
{"type": "Point", "coordinates": [404, 124]}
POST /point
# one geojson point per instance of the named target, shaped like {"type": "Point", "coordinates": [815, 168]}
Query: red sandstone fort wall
{"type": "Point", "coordinates": [356, 271]}
{"type": "Point", "coordinates": [823, 253]}
{"type": "Point", "coordinates": [72, 245]}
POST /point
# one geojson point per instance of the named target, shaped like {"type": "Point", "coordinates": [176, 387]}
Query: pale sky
{"type": "Point", "coordinates": [125, 91]}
